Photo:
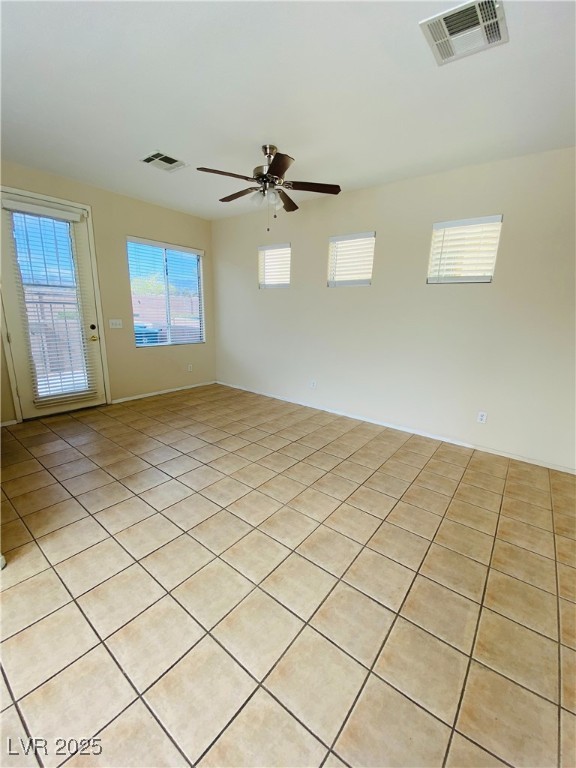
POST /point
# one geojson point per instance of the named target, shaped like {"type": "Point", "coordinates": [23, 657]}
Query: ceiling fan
{"type": "Point", "coordinates": [271, 184]}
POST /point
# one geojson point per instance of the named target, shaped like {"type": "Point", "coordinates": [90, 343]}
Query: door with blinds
{"type": "Point", "coordinates": [49, 300]}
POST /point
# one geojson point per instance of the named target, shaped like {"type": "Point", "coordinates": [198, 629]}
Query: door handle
{"type": "Point", "coordinates": [93, 338]}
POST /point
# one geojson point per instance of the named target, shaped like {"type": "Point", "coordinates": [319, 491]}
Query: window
{"type": "Point", "coordinates": [464, 251]}
{"type": "Point", "coordinates": [166, 287]}
{"type": "Point", "coordinates": [274, 266]}
{"type": "Point", "coordinates": [350, 259]}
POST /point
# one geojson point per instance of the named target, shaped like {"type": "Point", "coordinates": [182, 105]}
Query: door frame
{"type": "Point", "coordinates": [97, 299]}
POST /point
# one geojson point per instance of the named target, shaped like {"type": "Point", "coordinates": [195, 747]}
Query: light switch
{"type": "Point", "coordinates": [115, 323]}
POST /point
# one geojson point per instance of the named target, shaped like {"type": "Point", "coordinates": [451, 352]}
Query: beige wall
{"type": "Point", "coordinates": [422, 357]}
{"type": "Point", "coordinates": [132, 371]}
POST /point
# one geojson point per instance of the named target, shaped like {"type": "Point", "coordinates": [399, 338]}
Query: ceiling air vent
{"type": "Point", "coordinates": [464, 30]}
{"type": "Point", "coordinates": [164, 162]}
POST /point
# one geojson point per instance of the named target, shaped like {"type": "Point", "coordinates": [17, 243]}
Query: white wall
{"type": "Point", "coordinates": [407, 354]}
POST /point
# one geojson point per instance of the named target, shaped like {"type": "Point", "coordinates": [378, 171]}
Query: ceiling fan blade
{"type": "Point", "coordinates": [280, 165]}
{"type": "Point", "coordinates": [287, 202]}
{"type": "Point", "coordinates": [225, 173]}
{"type": "Point", "coordinates": [238, 194]}
{"type": "Point", "coordinates": [310, 186]}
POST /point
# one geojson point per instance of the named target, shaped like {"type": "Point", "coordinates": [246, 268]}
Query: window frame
{"type": "Point", "coordinates": [263, 251]}
{"type": "Point", "coordinates": [437, 277]}
{"type": "Point", "coordinates": [362, 282]}
{"type": "Point", "coordinates": [199, 253]}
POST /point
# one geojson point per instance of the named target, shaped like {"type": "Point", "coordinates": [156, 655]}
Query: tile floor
{"type": "Point", "coordinates": [217, 578]}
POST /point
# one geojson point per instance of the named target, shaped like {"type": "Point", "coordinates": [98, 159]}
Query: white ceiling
{"type": "Point", "coordinates": [349, 89]}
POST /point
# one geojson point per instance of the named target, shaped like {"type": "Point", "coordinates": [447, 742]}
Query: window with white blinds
{"type": "Point", "coordinates": [166, 287]}
{"type": "Point", "coordinates": [52, 301]}
{"type": "Point", "coordinates": [274, 266]}
{"type": "Point", "coordinates": [350, 259]}
{"type": "Point", "coordinates": [464, 251]}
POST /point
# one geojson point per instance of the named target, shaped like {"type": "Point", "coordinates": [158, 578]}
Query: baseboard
{"type": "Point", "coordinates": [411, 430]}
{"type": "Point", "coordinates": [161, 392]}
{"type": "Point", "coordinates": [9, 423]}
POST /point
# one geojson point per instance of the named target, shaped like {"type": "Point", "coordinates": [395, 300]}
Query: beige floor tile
{"type": "Point", "coordinates": [567, 582]}
{"type": "Point", "coordinates": [73, 468]}
{"type": "Point", "coordinates": [176, 561]}
{"type": "Point", "coordinates": [567, 739]}
{"type": "Point", "coordinates": [444, 468]}
{"type": "Point", "coordinates": [437, 483]}
{"type": "Point", "coordinates": [424, 445]}
{"type": "Point", "coordinates": [106, 496]}
{"type": "Point", "coordinates": [40, 651]}
{"type": "Point", "coordinates": [312, 663]}
{"type": "Point", "coordinates": [391, 486]}
{"type": "Point", "coordinates": [81, 699]}
{"type": "Point", "coordinates": [455, 571]}
{"type": "Point", "coordinates": [323, 460]}
{"type": "Point", "coordinates": [166, 494]}
{"type": "Point", "coordinates": [212, 592]}
{"type": "Point", "coordinates": [148, 535]}
{"type": "Point", "coordinates": [303, 473]}
{"type": "Point", "coordinates": [411, 458]}
{"type": "Point", "coordinates": [299, 585]}
{"type": "Point", "coordinates": [149, 644]}
{"type": "Point", "coordinates": [467, 541]}
{"type": "Point", "coordinates": [247, 742]}
{"type": "Point", "coordinates": [43, 497]}
{"type": "Point", "coordinates": [254, 507]}
{"type": "Point", "coordinates": [24, 562]}
{"type": "Point", "coordinates": [114, 602]}
{"type": "Point", "coordinates": [530, 474]}
{"type": "Point", "coordinates": [14, 534]}
{"type": "Point", "coordinates": [279, 462]}
{"type": "Point", "coordinates": [335, 485]}
{"type": "Point", "coordinates": [568, 623]}
{"type": "Point", "coordinates": [424, 498]}
{"type": "Point", "coordinates": [381, 578]}
{"type": "Point", "coordinates": [281, 488]}
{"type": "Point", "coordinates": [191, 511]}
{"type": "Point", "coordinates": [226, 491]}
{"type": "Point", "coordinates": [288, 526]}
{"type": "Point", "coordinates": [424, 668]}
{"type": "Point", "coordinates": [518, 653]}
{"type": "Point", "coordinates": [257, 632]}
{"type": "Point", "coordinates": [414, 519]}
{"type": "Point", "coordinates": [87, 482]}
{"type": "Point", "coordinates": [74, 538]}
{"type": "Point", "coordinates": [527, 513]}
{"type": "Point", "coordinates": [134, 739]}
{"type": "Point", "coordinates": [315, 504]}
{"type": "Point", "coordinates": [528, 494]}
{"type": "Point", "coordinates": [220, 531]}
{"type": "Point", "coordinates": [479, 497]}
{"type": "Point", "coordinates": [400, 545]}
{"type": "Point", "coordinates": [127, 467]}
{"type": "Point", "coordinates": [507, 720]}
{"type": "Point", "coordinates": [371, 501]}
{"type": "Point", "coordinates": [465, 754]}
{"type": "Point", "coordinates": [145, 480]}
{"type": "Point", "coordinates": [565, 524]}
{"type": "Point", "coordinates": [444, 613]}
{"type": "Point", "coordinates": [253, 475]}
{"type": "Point", "coordinates": [254, 453]}
{"type": "Point", "coordinates": [568, 679]}
{"type": "Point", "coordinates": [255, 556]}
{"type": "Point", "coordinates": [526, 536]}
{"type": "Point", "coordinates": [120, 516]}
{"type": "Point", "coordinates": [12, 735]}
{"type": "Point", "coordinates": [7, 511]}
{"type": "Point", "coordinates": [343, 613]}
{"type": "Point", "coordinates": [21, 469]}
{"type": "Point", "coordinates": [454, 454]}
{"type": "Point", "coordinates": [199, 696]}
{"type": "Point", "coordinates": [91, 567]}
{"type": "Point", "coordinates": [524, 565]}
{"type": "Point", "coordinates": [386, 728]}
{"type": "Point", "coordinates": [58, 515]}
{"type": "Point", "coordinates": [483, 480]}
{"type": "Point", "coordinates": [352, 522]}
{"type": "Point", "coordinates": [27, 483]}
{"type": "Point", "coordinates": [523, 603]}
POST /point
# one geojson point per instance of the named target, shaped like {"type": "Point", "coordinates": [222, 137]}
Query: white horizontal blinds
{"type": "Point", "coordinates": [350, 259]}
{"type": "Point", "coordinates": [464, 251]}
{"type": "Point", "coordinates": [61, 364]}
{"type": "Point", "coordinates": [166, 287]}
{"type": "Point", "coordinates": [274, 266]}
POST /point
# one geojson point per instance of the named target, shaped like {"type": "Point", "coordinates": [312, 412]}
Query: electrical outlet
{"type": "Point", "coordinates": [313, 384]}
{"type": "Point", "coordinates": [190, 367]}
{"type": "Point", "coordinates": [482, 417]}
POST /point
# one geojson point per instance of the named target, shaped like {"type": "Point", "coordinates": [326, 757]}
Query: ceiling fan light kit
{"type": "Point", "coordinates": [271, 183]}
